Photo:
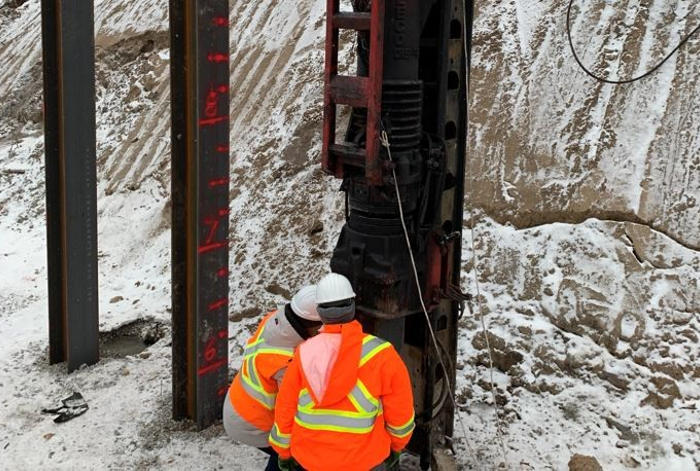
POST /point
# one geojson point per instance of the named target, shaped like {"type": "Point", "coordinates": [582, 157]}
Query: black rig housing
{"type": "Point", "coordinates": [424, 97]}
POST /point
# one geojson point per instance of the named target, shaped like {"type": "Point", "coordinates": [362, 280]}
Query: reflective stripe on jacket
{"type": "Point", "coordinates": [365, 411]}
{"type": "Point", "coordinates": [253, 392]}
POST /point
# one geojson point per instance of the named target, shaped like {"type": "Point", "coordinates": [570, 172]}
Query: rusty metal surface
{"type": "Point", "coordinates": [71, 194]}
{"type": "Point", "coordinates": [356, 91]}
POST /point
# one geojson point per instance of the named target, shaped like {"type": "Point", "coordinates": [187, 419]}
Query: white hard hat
{"type": "Point", "coordinates": [333, 287]}
{"type": "Point", "coordinates": [304, 303]}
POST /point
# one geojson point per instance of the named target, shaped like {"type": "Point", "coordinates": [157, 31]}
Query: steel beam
{"type": "Point", "coordinates": [200, 205]}
{"type": "Point", "coordinates": [71, 196]}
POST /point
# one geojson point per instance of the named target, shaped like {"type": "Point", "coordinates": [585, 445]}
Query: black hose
{"type": "Point", "coordinates": [619, 82]}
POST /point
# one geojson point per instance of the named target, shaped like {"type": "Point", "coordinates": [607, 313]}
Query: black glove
{"type": "Point", "coordinates": [286, 464]}
{"type": "Point", "coordinates": [70, 408]}
{"type": "Point", "coordinates": [393, 461]}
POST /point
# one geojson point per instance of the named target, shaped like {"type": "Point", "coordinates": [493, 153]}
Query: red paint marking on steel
{"type": "Point", "coordinates": [211, 354]}
{"type": "Point", "coordinates": [213, 224]}
{"type": "Point", "coordinates": [222, 148]}
{"type": "Point", "coordinates": [210, 350]}
{"type": "Point", "coordinates": [217, 57]}
{"type": "Point", "coordinates": [212, 247]}
{"type": "Point", "coordinates": [218, 182]}
{"type": "Point", "coordinates": [220, 21]}
{"type": "Point", "coordinates": [218, 304]}
{"type": "Point", "coordinates": [211, 103]}
{"type": "Point", "coordinates": [212, 367]}
{"type": "Point", "coordinates": [222, 391]}
{"type": "Point", "coordinates": [212, 121]}
{"type": "Point", "coordinates": [222, 272]}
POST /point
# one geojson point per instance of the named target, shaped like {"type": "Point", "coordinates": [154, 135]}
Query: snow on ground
{"type": "Point", "coordinates": [577, 370]}
{"type": "Point", "coordinates": [593, 321]}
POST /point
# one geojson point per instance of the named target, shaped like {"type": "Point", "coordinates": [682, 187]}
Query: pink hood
{"type": "Point", "coordinates": [330, 362]}
{"type": "Point", "coordinates": [318, 356]}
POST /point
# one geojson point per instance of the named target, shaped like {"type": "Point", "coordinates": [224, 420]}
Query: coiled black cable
{"type": "Point", "coordinates": [620, 82]}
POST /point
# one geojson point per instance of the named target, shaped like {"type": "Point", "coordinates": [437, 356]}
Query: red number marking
{"type": "Point", "coordinates": [210, 354]}
{"type": "Point", "coordinates": [210, 350]}
{"type": "Point", "coordinates": [213, 223]}
{"type": "Point", "coordinates": [211, 104]}
{"type": "Point", "coordinates": [213, 226]}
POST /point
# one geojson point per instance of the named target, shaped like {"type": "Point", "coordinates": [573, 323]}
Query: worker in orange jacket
{"type": "Point", "coordinates": [248, 411]}
{"type": "Point", "coordinates": [346, 401]}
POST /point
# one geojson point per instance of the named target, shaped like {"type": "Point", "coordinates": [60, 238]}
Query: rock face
{"type": "Point", "coordinates": [584, 463]}
{"type": "Point", "coordinates": [551, 144]}
{"type": "Point", "coordinates": [583, 196]}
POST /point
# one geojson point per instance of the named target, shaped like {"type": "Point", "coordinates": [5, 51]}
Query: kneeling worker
{"type": "Point", "coordinates": [346, 401]}
{"type": "Point", "coordinates": [249, 408]}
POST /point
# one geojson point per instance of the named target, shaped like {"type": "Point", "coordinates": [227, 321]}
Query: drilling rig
{"type": "Point", "coordinates": [407, 118]}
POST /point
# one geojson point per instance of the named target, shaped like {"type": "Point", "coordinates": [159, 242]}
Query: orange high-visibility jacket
{"type": "Point", "coordinates": [365, 411]}
{"type": "Point", "coordinates": [254, 389]}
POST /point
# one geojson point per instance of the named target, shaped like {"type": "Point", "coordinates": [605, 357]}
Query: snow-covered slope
{"type": "Point", "coordinates": [553, 144]}
{"type": "Point", "coordinates": [584, 198]}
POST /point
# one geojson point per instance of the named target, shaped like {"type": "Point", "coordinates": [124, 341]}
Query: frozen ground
{"type": "Point", "coordinates": [592, 297]}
